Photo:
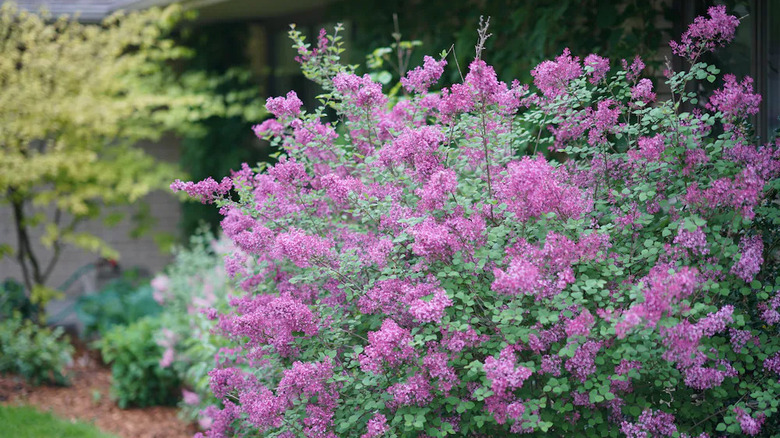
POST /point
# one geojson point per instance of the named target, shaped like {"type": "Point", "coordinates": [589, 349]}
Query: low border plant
{"type": "Point", "coordinates": [38, 354]}
{"type": "Point", "coordinates": [420, 268]}
{"type": "Point", "coordinates": [137, 378]}
{"type": "Point", "coordinates": [191, 287]}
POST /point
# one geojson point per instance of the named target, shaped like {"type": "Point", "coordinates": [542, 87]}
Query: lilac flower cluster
{"type": "Point", "coordinates": [705, 34]}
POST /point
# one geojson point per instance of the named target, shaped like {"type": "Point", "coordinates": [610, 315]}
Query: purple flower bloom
{"type": "Point", "coordinates": [751, 258]}
{"type": "Point", "coordinates": [597, 68]}
{"type": "Point", "coordinates": [552, 77]}
{"type": "Point", "coordinates": [705, 34]}
{"type": "Point", "coordinates": [421, 78]}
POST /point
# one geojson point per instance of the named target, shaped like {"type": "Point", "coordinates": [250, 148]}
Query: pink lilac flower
{"type": "Point", "coordinates": [705, 34]}
{"type": "Point", "coordinates": [581, 325]}
{"type": "Point", "coordinates": [696, 240]}
{"type": "Point", "coordinates": [220, 421]}
{"type": "Point", "coordinates": [682, 343]}
{"type": "Point", "coordinates": [376, 426]}
{"type": "Point", "coordinates": [454, 100]}
{"type": "Point", "coordinates": [773, 363]}
{"type": "Point", "coordinates": [736, 100]}
{"type": "Point", "coordinates": [223, 381]}
{"type": "Point", "coordinates": [740, 338]}
{"type": "Point", "coordinates": [662, 291]}
{"type": "Point", "coordinates": [305, 379]}
{"type": "Point", "coordinates": [246, 233]}
{"type": "Point", "coordinates": [437, 189]}
{"type": "Point", "coordinates": [302, 249]}
{"type": "Point", "coordinates": [769, 310]}
{"type": "Point", "coordinates": [273, 321]}
{"type": "Point", "coordinates": [417, 149]}
{"type": "Point", "coordinates": [622, 369]}
{"type": "Point", "coordinates": [581, 398]}
{"type": "Point", "coordinates": [456, 341]}
{"type": "Point", "coordinates": [643, 91]}
{"type": "Point", "coordinates": [751, 258]}
{"type": "Point", "coordinates": [390, 345]}
{"type": "Point", "coordinates": [551, 364]}
{"type": "Point", "coordinates": [532, 188]}
{"type": "Point", "coordinates": [470, 231]}
{"type": "Point", "coordinates": [361, 91]}
{"type": "Point", "coordinates": [289, 171]}
{"type": "Point", "coordinates": [542, 340]}
{"type": "Point", "coordinates": [749, 424]}
{"type": "Point", "coordinates": [634, 70]}
{"type": "Point", "coordinates": [764, 160]}
{"type": "Point", "coordinates": [269, 127]}
{"type": "Point", "coordinates": [190, 397]}
{"type": "Point", "coordinates": [264, 410]}
{"type": "Point", "coordinates": [421, 78]}
{"type": "Point", "coordinates": [598, 68]}
{"type": "Point", "coordinates": [552, 77]}
{"type": "Point", "coordinates": [416, 391]}
{"type": "Point", "coordinates": [339, 188]}
{"type": "Point", "coordinates": [437, 367]}
{"type": "Point", "coordinates": [716, 322]}
{"type": "Point", "coordinates": [504, 373]}
{"type": "Point", "coordinates": [432, 240]}
{"type": "Point", "coordinates": [205, 191]}
{"type": "Point", "coordinates": [572, 127]}
{"type": "Point", "coordinates": [582, 365]}
{"type": "Point", "coordinates": [167, 358]}
{"type": "Point", "coordinates": [650, 424]}
{"type": "Point", "coordinates": [482, 80]}
{"type": "Point", "coordinates": [741, 193]}
{"type": "Point", "coordinates": [431, 310]}
{"type": "Point", "coordinates": [160, 285]}
{"type": "Point", "coordinates": [306, 55]}
{"type": "Point", "coordinates": [387, 296]}
{"type": "Point", "coordinates": [605, 121]}
{"type": "Point", "coordinates": [703, 378]}
{"type": "Point", "coordinates": [284, 107]}
{"type": "Point", "coordinates": [521, 277]}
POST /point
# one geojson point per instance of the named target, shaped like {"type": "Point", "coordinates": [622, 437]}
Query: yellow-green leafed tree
{"type": "Point", "coordinates": [74, 99]}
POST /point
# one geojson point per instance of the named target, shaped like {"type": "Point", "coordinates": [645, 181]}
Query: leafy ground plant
{"type": "Point", "coordinates": [419, 268]}
{"type": "Point", "coordinates": [27, 422]}
{"type": "Point", "coordinates": [191, 288]}
{"type": "Point", "coordinates": [37, 353]}
{"type": "Point", "coordinates": [137, 379]}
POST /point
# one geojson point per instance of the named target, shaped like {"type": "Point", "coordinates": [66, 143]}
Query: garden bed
{"type": "Point", "coordinates": [87, 399]}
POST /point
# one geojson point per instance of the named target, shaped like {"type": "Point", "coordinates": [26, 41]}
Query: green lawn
{"type": "Point", "coordinates": [27, 422]}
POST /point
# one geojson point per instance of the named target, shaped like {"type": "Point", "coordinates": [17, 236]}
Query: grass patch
{"type": "Point", "coordinates": [28, 422]}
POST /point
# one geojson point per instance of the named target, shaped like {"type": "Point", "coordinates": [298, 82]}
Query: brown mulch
{"type": "Point", "coordinates": [87, 399]}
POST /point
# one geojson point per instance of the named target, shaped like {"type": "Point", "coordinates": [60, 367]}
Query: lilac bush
{"type": "Point", "coordinates": [572, 258]}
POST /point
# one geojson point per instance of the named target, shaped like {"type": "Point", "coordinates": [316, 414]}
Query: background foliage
{"type": "Point", "coordinates": [77, 98]}
{"type": "Point", "coordinates": [36, 353]}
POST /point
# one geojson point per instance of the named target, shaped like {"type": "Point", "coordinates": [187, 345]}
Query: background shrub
{"type": "Point", "coordinates": [192, 287]}
{"type": "Point", "coordinates": [36, 353]}
{"type": "Point", "coordinates": [137, 379]}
